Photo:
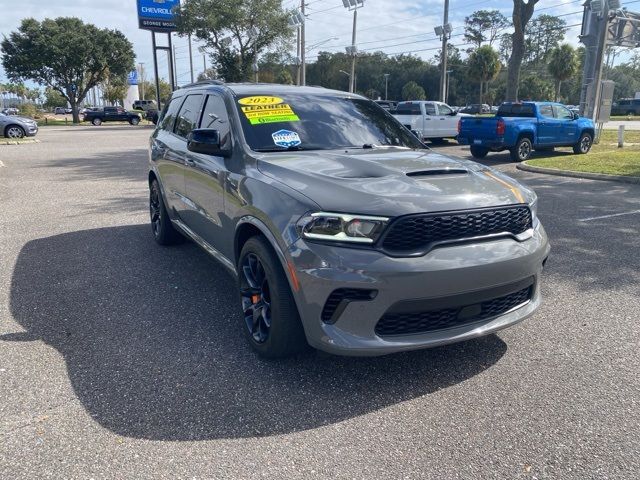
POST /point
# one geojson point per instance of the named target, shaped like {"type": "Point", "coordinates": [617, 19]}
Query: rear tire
{"type": "Point", "coordinates": [163, 231]}
{"type": "Point", "coordinates": [522, 150]}
{"type": "Point", "coordinates": [479, 152]}
{"type": "Point", "coordinates": [272, 323]}
{"type": "Point", "coordinates": [97, 122]}
{"type": "Point", "coordinates": [584, 143]}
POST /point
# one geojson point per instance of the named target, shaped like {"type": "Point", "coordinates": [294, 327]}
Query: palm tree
{"type": "Point", "coordinates": [484, 66]}
{"type": "Point", "coordinates": [563, 64]}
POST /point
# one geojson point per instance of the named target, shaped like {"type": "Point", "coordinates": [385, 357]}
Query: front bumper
{"type": "Point", "coordinates": [31, 130]}
{"type": "Point", "coordinates": [444, 272]}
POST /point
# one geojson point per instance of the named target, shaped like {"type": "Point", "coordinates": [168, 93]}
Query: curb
{"type": "Point", "coordinates": [5, 141]}
{"type": "Point", "coordinates": [568, 173]}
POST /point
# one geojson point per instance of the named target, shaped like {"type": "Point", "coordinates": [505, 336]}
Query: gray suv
{"type": "Point", "coordinates": [343, 230]}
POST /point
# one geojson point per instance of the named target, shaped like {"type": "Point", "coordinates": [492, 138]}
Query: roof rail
{"type": "Point", "coordinates": [203, 82]}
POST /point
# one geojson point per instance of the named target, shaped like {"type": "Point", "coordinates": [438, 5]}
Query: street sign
{"type": "Point", "coordinates": [157, 15]}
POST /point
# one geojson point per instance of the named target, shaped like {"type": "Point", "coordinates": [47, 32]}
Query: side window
{"type": "Point", "coordinates": [546, 111]}
{"type": "Point", "coordinates": [563, 113]}
{"type": "Point", "coordinates": [430, 109]}
{"type": "Point", "coordinates": [188, 116]}
{"type": "Point", "coordinates": [170, 113]}
{"type": "Point", "coordinates": [215, 116]}
{"type": "Point", "coordinates": [444, 109]}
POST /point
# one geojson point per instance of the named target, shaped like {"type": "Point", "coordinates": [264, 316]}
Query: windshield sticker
{"type": "Point", "coordinates": [261, 100]}
{"type": "Point", "coordinates": [261, 114]}
{"type": "Point", "coordinates": [286, 138]}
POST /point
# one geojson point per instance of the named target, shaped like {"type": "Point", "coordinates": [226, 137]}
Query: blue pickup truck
{"type": "Point", "coordinates": [522, 127]}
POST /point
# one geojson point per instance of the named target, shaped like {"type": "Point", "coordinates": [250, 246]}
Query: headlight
{"type": "Point", "coordinates": [341, 227]}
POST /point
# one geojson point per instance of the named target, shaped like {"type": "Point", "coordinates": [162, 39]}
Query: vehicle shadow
{"type": "Point", "coordinates": [154, 349]}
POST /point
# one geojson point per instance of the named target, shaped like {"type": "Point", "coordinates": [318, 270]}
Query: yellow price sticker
{"type": "Point", "coordinates": [260, 100]}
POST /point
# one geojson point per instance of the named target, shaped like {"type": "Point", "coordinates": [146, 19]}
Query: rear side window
{"type": "Point", "coordinates": [546, 111]}
{"type": "Point", "coordinates": [169, 114]}
{"type": "Point", "coordinates": [408, 109]}
{"type": "Point", "coordinates": [516, 110]}
{"type": "Point", "coordinates": [189, 115]}
{"type": "Point", "coordinates": [430, 109]}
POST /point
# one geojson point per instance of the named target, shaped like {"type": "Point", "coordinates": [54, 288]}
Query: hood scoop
{"type": "Point", "coordinates": [437, 171]}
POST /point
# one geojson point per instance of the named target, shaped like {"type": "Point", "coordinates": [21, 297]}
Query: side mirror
{"type": "Point", "coordinates": [575, 115]}
{"type": "Point", "coordinates": [207, 141]}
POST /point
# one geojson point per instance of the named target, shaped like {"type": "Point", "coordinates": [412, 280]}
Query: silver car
{"type": "Point", "coordinates": [13, 126]}
{"type": "Point", "coordinates": [343, 230]}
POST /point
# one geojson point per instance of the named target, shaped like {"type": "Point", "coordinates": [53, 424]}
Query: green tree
{"type": "Point", "coordinates": [543, 34]}
{"type": "Point", "coordinates": [284, 77]}
{"type": "Point", "coordinates": [484, 26]}
{"type": "Point", "coordinates": [413, 91]}
{"type": "Point", "coordinates": [208, 74]}
{"type": "Point", "coordinates": [522, 13]}
{"type": "Point", "coordinates": [54, 99]}
{"type": "Point", "coordinates": [66, 55]}
{"type": "Point", "coordinates": [114, 90]}
{"type": "Point", "coordinates": [483, 66]}
{"type": "Point", "coordinates": [562, 65]}
{"type": "Point", "coordinates": [535, 88]}
{"type": "Point", "coordinates": [150, 90]}
{"type": "Point", "coordinates": [236, 31]}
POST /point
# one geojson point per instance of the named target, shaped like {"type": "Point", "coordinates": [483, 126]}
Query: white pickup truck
{"type": "Point", "coordinates": [429, 120]}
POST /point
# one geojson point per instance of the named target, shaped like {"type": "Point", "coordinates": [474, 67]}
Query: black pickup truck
{"type": "Point", "coordinates": [111, 114]}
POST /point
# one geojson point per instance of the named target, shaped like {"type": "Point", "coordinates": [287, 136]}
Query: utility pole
{"type": "Point", "coordinates": [298, 60]}
{"type": "Point", "coordinates": [353, 49]}
{"type": "Point", "coordinates": [303, 60]}
{"type": "Point", "coordinates": [353, 52]}
{"type": "Point", "coordinates": [445, 37]}
{"type": "Point", "coordinates": [142, 79]}
{"type": "Point", "coordinates": [190, 58]}
{"type": "Point", "coordinates": [386, 86]}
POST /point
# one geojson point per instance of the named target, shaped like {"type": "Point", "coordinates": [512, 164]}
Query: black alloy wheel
{"type": "Point", "coordinates": [163, 231]}
{"type": "Point", "coordinates": [256, 298]}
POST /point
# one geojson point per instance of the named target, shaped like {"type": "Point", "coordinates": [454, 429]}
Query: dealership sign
{"type": "Point", "coordinates": [157, 15]}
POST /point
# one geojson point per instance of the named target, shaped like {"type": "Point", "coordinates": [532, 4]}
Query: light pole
{"type": "Point", "coordinates": [386, 86]}
{"type": "Point", "coordinates": [142, 78]}
{"type": "Point", "coordinates": [446, 94]}
{"type": "Point", "coordinates": [444, 32]}
{"type": "Point", "coordinates": [353, 49]}
{"type": "Point", "coordinates": [347, 74]}
{"type": "Point", "coordinates": [203, 51]}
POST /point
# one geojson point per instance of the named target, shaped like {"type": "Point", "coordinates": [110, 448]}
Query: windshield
{"type": "Point", "coordinates": [318, 122]}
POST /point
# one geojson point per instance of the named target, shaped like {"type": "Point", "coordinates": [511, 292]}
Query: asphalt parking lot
{"type": "Point", "coordinates": [122, 359]}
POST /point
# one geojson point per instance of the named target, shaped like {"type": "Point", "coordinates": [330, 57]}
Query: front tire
{"type": "Point", "coordinates": [14, 131]}
{"type": "Point", "coordinates": [163, 231]}
{"type": "Point", "coordinates": [97, 122]}
{"type": "Point", "coordinates": [479, 152]}
{"type": "Point", "coordinates": [272, 323]}
{"type": "Point", "coordinates": [522, 150]}
{"type": "Point", "coordinates": [134, 121]}
{"type": "Point", "coordinates": [584, 143]}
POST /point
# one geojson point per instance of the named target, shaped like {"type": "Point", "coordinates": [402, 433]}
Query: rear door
{"type": "Point", "coordinates": [205, 179]}
{"type": "Point", "coordinates": [549, 128]}
{"type": "Point", "coordinates": [165, 153]}
{"type": "Point", "coordinates": [448, 121]}
{"type": "Point", "coordinates": [568, 134]}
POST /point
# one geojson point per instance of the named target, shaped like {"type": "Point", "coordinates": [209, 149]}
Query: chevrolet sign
{"type": "Point", "coordinates": [157, 14]}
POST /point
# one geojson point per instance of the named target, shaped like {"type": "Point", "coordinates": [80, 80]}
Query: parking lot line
{"type": "Point", "coordinates": [609, 216]}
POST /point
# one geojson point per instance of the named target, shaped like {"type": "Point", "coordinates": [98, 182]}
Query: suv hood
{"type": "Point", "coordinates": [391, 181]}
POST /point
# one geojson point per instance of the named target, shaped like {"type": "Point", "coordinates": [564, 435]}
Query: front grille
{"type": "Point", "coordinates": [338, 300]}
{"type": "Point", "coordinates": [408, 323]}
{"type": "Point", "coordinates": [418, 233]}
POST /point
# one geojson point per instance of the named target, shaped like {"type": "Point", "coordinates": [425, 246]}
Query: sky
{"type": "Point", "coordinates": [391, 26]}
